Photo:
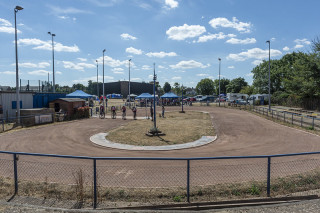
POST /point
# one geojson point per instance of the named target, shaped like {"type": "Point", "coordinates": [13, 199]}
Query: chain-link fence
{"type": "Point", "coordinates": [97, 182]}
{"type": "Point", "coordinates": [35, 85]}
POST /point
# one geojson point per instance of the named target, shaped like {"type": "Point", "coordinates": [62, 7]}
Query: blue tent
{"type": "Point", "coordinates": [78, 94]}
{"type": "Point", "coordinates": [144, 95]}
{"type": "Point", "coordinates": [170, 95]}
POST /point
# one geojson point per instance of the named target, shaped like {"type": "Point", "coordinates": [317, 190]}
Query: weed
{"type": "Point", "coordinates": [254, 190]}
{"type": "Point", "coordinates": [177, 198]}
{"type": "Point", "coordinates": [79, 180]}
{"type": "Point", "coordinates": [310, 128]}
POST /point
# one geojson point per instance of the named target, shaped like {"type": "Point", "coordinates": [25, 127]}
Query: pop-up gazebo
{"type": "Point", "coordinates": [78, 94]}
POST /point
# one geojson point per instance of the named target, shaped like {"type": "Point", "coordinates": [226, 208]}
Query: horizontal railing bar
{"type": "Point", "coordinates": [158, 158]}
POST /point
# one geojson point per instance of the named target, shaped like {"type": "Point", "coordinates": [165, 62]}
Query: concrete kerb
{"type": "Point", "coordinates": [100, 139]}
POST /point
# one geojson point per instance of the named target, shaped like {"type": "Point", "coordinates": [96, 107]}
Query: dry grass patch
{"type": "Point", "coordinates": [178, 127]}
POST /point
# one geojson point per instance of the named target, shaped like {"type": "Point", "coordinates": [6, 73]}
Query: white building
{"type": "Point", "coordinates": [8, 104]}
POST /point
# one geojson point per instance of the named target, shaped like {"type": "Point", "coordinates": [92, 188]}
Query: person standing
{"type": "Point", "coordinates": [134, 110]}
{"type": "Point", "coordinates": [151, 112]}
{"type": "Point", "coordinates": [163, 110]}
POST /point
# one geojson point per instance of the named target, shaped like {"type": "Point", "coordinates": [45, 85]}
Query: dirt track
{"type": "Point", "coordinates": [239, 133]}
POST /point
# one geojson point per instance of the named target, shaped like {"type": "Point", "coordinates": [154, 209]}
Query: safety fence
{"type": "Point", "coordinates": [104, 182]}
{"type": "Point", "coordinates": [295, 118]}
{"type": "Point", "coordinates": [8, 123]}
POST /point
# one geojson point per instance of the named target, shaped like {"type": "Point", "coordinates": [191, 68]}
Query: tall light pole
{"type": "Point", "coordinates": [97, 80]}
{"type": "Point", "coordinates": [182, 99]}
{"type": "Point", "coordinates": [16, 9]}
{"type": "Point", "coordinates": [104, 107]}
{"type": "Point", "coordinates": [53, 78]}
{"type": "Point", "coordinates": [129, 85]}
{"type": "Point", "coordinates": [154, 96]}
{"type": "Point", "coordinates": [219, 79]}
{"type": "Point", "coordinates": [269, 78]}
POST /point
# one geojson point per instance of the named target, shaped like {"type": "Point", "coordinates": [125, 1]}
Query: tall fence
{"type": "Point", "coordinates": [92, 182]}
{"type": "Point", "coordinates": [35, 85]}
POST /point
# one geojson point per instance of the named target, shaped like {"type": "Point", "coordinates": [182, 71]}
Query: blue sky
{"type": "Point", "coordinates": [184, 38]}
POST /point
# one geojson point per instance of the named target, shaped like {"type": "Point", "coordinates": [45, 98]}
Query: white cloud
{"type": "Point", "coordinates": [235, 24]}
{"type": "Point", "coordinates": [94, 79]}
{"type": "Point", "coordinates": [171, 4]}
{"type": "Point", "coordinates": [33, 65]}
{"type": "Point", "coordinates": [255, 53]}
{"type": "Point", "coordinates": [70, 10]}
{"type": "Point", "coordinates": [8, 72]}
{"type": "Point", "coordinates": [77, 66]}
{"type": "Point", "coordinates": [286, 48]}
{"type": "Point", "coordinates": [176, 78]}
{"type": "Point", "coordinates": [241, 41]}
{"type": "Point", "coordinates": [161, 67]}
{"type": "Point", "coordinates": [161, 54]}
{"type": "Point", "coordinates": [58, 72]}
{"type": "Point", "coordinates": [112, 62]}
{"type": "Point", "coordinates": [202, 74]}
{"type": "Point", "coordinates": [82, 59]}
{"type": "Point", "coordinates": [185, 31]}
{"type": "Point", "coordinates": [146, 67]}
{"type": "Point", "coordinates": [230, 67]}
{"type": "Point", "coordinates": [47, 45]}
{"type": "Point", "coordinates": [117, 70]}
{"type": "Point", "coordinates": [135, 79]}
{"type": "Point", "coordinates": [218, 36]}
{"type": "Point", "coordinates": [126, 36]}
{"type": "Point", "coordinates": [6, 27]}
{"type": "Point", "coordinates": [133, 51]}
{"type": "Point", "coordinates": [39, 72]}
{"type": "Point", "coordinates": [249, 74]}
{"type": "Point", "coordinates": [301, 42]}
{"type": "Point", "coordinates": [256, 62]}
{"type": "Point", "coordinates": [188, 65]}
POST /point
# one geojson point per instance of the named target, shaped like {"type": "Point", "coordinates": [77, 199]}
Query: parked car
{"type": "Point", "coordinates": [207, 99]}
{"type": "Point", "coordinates": [221, 100]}
{"type": "Point", "coordinates": [241, 101]}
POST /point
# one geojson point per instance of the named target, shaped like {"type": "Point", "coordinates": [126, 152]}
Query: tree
{"type": "Point", "coordinates": [205, 87]}
{"type": "Point", "coordinates": [166, 87]}
{"type": "Point", "coordinates": [223, 85]}
{"type": "Point", "coordinates": [236, 85]}
{"type": "Point", "coordinates": [78, 86]}
{"type": "Point", "coordinates": [249, 90]}
{"type": "Point", "coordinates": [176, 88]}
{"type": "Point", "coordinates": [316, 44]}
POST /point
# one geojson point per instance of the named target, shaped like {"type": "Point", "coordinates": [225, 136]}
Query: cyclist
{"type": "Point", "coordinates": [124, 109]}
{"type": "Point", "coordinates": [113, 109]}
{"type": "Point", "coordinates": [134, 110]}
{"type": "Point", "coordinates": [102, 114]}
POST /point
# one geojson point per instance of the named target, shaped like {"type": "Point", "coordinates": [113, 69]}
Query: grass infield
{"type": "Point", "coordinates": [178, 127]}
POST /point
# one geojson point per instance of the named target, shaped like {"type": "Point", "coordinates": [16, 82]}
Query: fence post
{"type": "Point", "coordinates": [15, 173]}
{"type": "Point", "coordinates": [301, 120]}
{"type": "Point", "coordinates": [272, 113]}
{"type": "Point", "coordinates": [284, 116]}
{"type": "Point", "coordinates": [188, 181]}
{"type": "Point", "coordinates": [2, 125]}
{"type": "Point", "coordinates": [94, 183]}
{"type": "Point", "coordinates": [263, 110]}
{"type": "Point", "coordinates": [268, 176]}
{"type": "Point", "coordinates": [312, 122]}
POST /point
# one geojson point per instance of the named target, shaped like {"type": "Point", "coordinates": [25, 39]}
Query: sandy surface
{"type": "Point", "coordinates": [239, 133]}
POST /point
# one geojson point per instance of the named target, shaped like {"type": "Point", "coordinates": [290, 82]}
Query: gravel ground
{"type": "Point", "coordinates": [312, 206]}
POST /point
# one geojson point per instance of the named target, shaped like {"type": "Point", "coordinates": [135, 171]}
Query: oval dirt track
{"type": "Point", "coordinates": [239, 133]}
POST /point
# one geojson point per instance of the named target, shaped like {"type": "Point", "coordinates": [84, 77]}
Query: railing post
{"type": "Point", "coordinates": [312, 122]}
{"type": "Point", "coordinates": [188, 181]}
{"type": "Point", "coordinates": [301, 120]}
{"type": "Point", "coordinates": [292, 119]}
{"type": "Point", "coordinates": [2, 125]}
{"type": "Point", "coordinates": [268, 176]}
{"type": "Point", "coordinates": [94, 183]}
{"type": "Point", "coordinates": [15, 173]}
{"type": "Point", "coordinates": [284, 116]}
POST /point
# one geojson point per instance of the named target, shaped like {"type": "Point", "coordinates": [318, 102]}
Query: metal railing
{"type": "Point", "coordinates": [294, 118]}
{"type": "Point", "coordinates": [181, 179]}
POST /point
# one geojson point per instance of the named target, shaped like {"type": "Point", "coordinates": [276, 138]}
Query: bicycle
{"type": "Point", "coordinates": [102, 114]}
{"type": "Point", "coordinates": [114, 114]}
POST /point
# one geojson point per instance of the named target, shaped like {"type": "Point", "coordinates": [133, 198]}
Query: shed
{"type": "Point", "coordinates": [78, 94]}
{"type": "Point", "coordinates": [67, 105]}
{"type": "Point", "coordinates": [8, 103]}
